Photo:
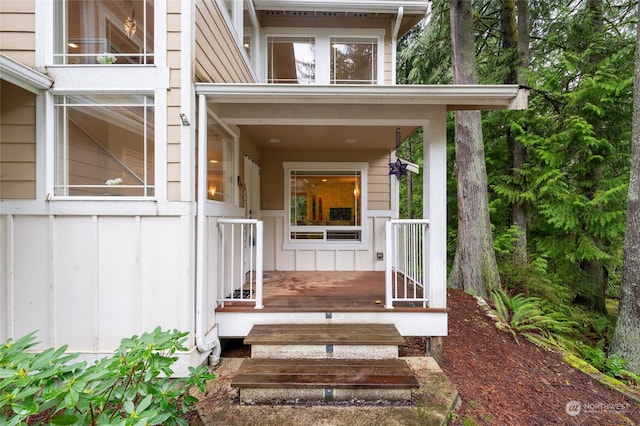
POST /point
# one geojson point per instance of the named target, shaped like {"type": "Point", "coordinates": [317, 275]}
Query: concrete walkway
{"type": "Point", "coordinates": [430, 406]}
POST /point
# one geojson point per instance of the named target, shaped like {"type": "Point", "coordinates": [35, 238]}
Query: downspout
{"type": "Point", "coordinates": [255, 49]}
{"type": "Point", "coordinates": [394, 43]}
{"type": "Point", "coordinates": [204, 342]}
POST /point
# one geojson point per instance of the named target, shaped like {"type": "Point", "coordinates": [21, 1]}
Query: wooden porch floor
{"type": "Point", "coordinates": [323, 291]}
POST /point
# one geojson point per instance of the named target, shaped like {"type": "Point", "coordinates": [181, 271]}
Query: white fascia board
{"type": "Point", "coordinates": [454, 96]}
{"type": "Point", "coordinates": [372, 6]}
{"type": "Point", "coordinates": [23, 76]}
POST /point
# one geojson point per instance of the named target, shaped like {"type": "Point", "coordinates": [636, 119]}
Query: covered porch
{"type": "Point", "coordinates": [294, 128]}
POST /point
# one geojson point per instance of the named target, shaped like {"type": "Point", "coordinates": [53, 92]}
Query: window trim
{"type": "Point", "coordinates": [323, 48]}
{"type": "Point", "coordinates": [53, 153]}
{"type": "Point", "coordinates": [323, 244]}
{"type": "Point", "coordinates": [45, 39]}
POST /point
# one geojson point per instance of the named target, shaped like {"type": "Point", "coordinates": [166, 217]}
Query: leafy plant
{"type": "Point", "coordinates": [525, 315]}
{"type": "Point", "coordinates": [132, 387]}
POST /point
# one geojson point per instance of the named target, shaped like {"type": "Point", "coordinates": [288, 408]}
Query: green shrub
{"type": "Point", "coordinates": [132, 387]}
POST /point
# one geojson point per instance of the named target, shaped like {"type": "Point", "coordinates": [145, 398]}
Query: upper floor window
{"type": "Point", "coordinates": [104, 32]}
{"type": "Point", "coordinates": [354, 60]}
{"type": "Point", "coordinates": [291, 60]}
{"type": "Point", "coordinates": [104, 145]}
{"type": "Point", "coordinates": [324, 57]}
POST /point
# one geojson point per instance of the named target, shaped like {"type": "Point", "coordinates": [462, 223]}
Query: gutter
{"type": "Point", "coordinates": [23, 76]}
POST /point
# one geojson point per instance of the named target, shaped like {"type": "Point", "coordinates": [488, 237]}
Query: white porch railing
{"type": "Point", "coordinates": [407, 270]}
{"type": "Point", "coordinates": [240, 268]}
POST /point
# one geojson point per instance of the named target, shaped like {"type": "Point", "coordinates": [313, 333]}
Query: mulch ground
{"type": "Point", "coordinates": [501, 382]}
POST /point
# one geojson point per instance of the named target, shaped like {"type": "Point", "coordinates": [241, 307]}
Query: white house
{"type": "Point", "coordinates": [130, 128]}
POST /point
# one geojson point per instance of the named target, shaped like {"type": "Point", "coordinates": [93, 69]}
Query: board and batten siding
{"type": "Point", "coordinates": [17, 30]}
{"type": "Point", "coordinates": [98, 278]}
{"type": "Point", "coordinates": [17, 142]}
{"type": "Point", "coordinates": [218, 56]}
{"type": "Point", "coordinates": [317, 258]}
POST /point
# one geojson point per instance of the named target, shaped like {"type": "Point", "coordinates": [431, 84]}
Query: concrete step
{"type": "Point", "coordinates": [341, 341]}
{"type": "Point", "coordinates": [268, 380]}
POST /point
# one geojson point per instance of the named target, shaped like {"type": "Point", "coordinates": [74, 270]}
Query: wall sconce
{"type": "Point", "coordinates": [184, 120]}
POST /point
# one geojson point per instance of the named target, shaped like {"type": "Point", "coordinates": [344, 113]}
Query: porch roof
{"type": "Point", "coordinates": [280, 111]}
{"type": "Point", "coordinates": [23, 76]}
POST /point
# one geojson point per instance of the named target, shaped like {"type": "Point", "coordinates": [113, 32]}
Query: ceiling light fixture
{"type": "Point", "coordinates": [351, 140]}
{"type": "Point", "coordinates": [130, 24]}
{"type": "Point", "coordinates": [275, 140]}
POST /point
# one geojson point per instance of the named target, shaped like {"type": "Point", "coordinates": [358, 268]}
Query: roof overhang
{"type": "Point", "coordinates": [371, 6]}
{"type": "Point", "coordinates": [262, 109]}
{"type": "Point", "coordinates": [23, 76]}
{"type": "Point", "coordinates": [454, 97]}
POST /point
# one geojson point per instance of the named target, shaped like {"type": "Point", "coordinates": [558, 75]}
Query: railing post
{"type": "Point", "coordinates": [259, 266]}
{"type": "Point", "coordinates": [390, 254]}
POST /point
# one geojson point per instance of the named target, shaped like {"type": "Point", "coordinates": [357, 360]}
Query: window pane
{"type": "Point", "coordinates": [325, 198]}
{"type": "Point", "coordinates": [104, 31]}
{"type": "Point", "coordinates": [292, 60]}
{"type": "Point", "coordinates": [354, 60]}
{"type": "Point", "coordinates": [105, 146]}
{"type": "Point", "coordinates": [220, 176]}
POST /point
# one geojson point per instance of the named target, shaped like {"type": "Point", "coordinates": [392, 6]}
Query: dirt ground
{"type": "Point", "coordinates": [503, 383]}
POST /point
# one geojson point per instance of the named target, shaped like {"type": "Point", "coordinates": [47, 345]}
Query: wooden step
{"type": "Point", "coordinates": [261, 380]}
{"type": "Point", "coordinates": [347, 341]}
{"type": "Point", "coordinates": [346, 334]}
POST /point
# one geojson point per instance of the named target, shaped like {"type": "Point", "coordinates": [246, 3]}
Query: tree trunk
{"type": "Point", "coordinates": [474, 266]}
{"type": "Point", "coordinates": [595, 268]}
{"type": "Point", "coordinates": [626, 338]}
{"type": "Point", "coordinates": [514, 38]}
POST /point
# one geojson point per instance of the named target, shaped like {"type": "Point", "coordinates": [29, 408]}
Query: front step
{"type": "Point", "coordinates": [341, 341]}
{"type": "Point", "coordinates": [265, 380]}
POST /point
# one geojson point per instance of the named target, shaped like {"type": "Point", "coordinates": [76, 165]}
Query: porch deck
{"type": "Point", "coordinates": [324, 291]}
{"type": "Point", "coordinates": [321, 297]}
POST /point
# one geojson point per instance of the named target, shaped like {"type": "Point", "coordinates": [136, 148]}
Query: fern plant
{"type": "Point", "coordinates": [522, 315]}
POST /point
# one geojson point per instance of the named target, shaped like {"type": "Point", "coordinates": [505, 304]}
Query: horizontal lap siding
{"type": "Point", "coordinates": [17, 142]}
{"type": "Point", "coordinates": [174, 49]}
{"type": "Point", "coordinates": [218, 58]}
{"type": "Point", "coordinates": [17, 30]}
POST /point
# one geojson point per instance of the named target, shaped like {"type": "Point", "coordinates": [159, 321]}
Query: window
{"type": "Point", "coordinates": [324, 57]}
{"type": "Point", "coordinates": [326, 201]}
{"type": "Point", "coordinates": [104, 32]}
{"type": "Point", "coordinates": [105, 145]}
{"type": "Point", "coordinates": [354, 60]}
{"type": "Point", "coordinates": [292, 60]}
{"type": "Point", "coordinates": [220, 161]}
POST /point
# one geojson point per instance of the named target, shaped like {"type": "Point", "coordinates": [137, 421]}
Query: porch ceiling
{"type": "Point", "coordinates": [327, 117]}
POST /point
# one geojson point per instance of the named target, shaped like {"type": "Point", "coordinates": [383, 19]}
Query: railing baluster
{"type": "Point", "coordinates": [406, 250]}
{"type": "Point", "coordinates": [245, 235]}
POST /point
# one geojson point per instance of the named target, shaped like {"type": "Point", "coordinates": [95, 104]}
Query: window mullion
{"type": "Point", "coordinates": [323, 59]}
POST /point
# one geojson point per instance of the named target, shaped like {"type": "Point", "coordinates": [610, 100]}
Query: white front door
{"type": "Point", "coordinates": [251, 207]}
